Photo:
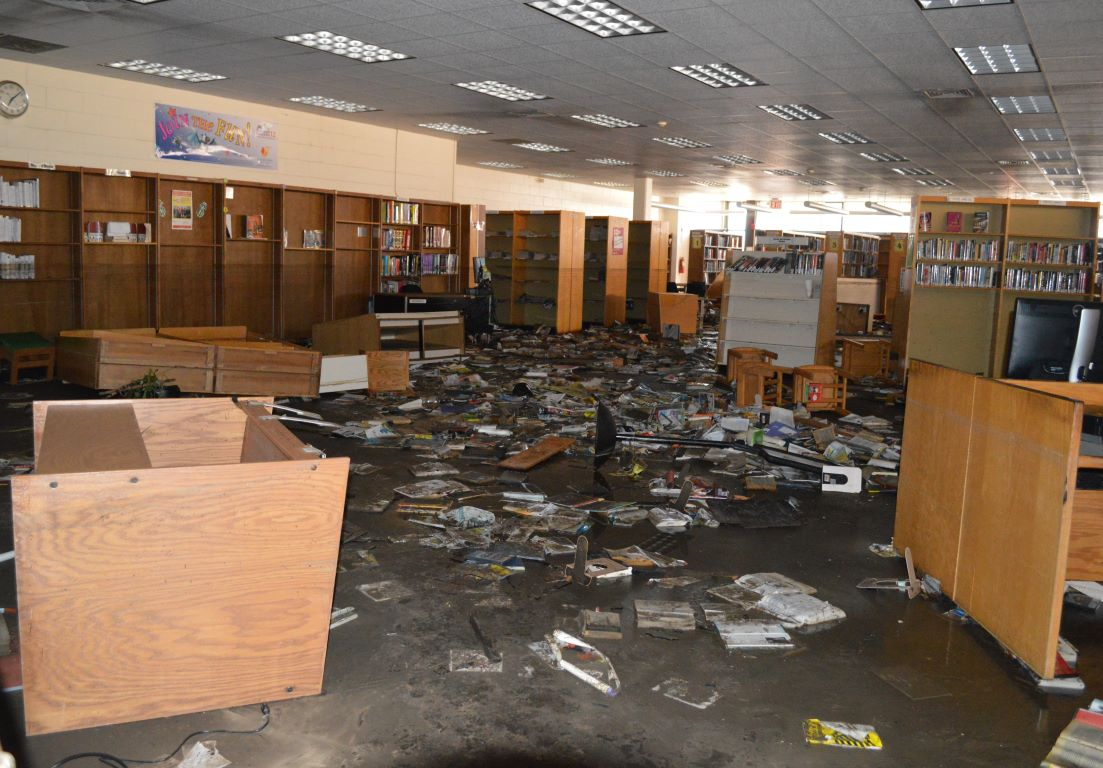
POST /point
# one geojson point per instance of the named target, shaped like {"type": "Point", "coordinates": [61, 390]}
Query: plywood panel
{"type": "Point", "coordinates": [937, 426]}
{"type": "Point", "coordinates": [77, 438]}
{"type": "Point", "coordinates": [952, 327]}
{"type": "Point", "coordinates": [249, 285]}
{"type": "Point", "coordinates": [1015, 527]}
{"type": "Point", "coordinates": [185, 286]}
{"type": "Point", "coordinates": [147, 606]}
{"type": "Point", "coordinates": [116, 285]}
{"type": "Point", "coordinates": [303, 292]}
{"type": "Point", "coordinates": [1085, 559]}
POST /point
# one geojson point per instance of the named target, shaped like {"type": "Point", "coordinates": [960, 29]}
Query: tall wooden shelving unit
{"type": "Point", "coordinates": [355, 245]}
{"type": "Point", "coordinates": [499, 261]}
{"type": "Point", "coordinates": [605, 273]}
{"type": "Point", "coordinates": [51, 301]}
{"type": "Point", "coordinates": [648, 258]}
{"type": "Point", "coordinates": [305, 269]}
{"type": "Point", "coordinates": [891, 260]}
{"type": "Point", "coordinates": [856, 253]}
{"type": "Point", "coordinates": [472, 234]}
{"type": "Point", "coordinates": [249, 277]}
{"type": "Point", "coordinates": [708, 253]}
{"type": "Point", "coordinates": [187, 260]}
{"type": "Point", "coordinates": [962, 291]}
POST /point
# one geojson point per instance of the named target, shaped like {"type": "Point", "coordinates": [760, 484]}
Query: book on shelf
{"type": "Point", "coordinates": [794, 262]}
{"type": "Point", "coordinates": [980, 222]}
{"type": "Point", "coordinates": [953, 221]}
{"type": "Point", "coordinates": [314, 238]}
{"type": "Point", "coordinates": [15, 267]}
{"type": "Point", "coordinates": [436, 237]}
{"type": "Point", "coordinates": [397, 239]}
{"type": "Point", "coordinates": [229, 224]}
{"type": "Point", "coordinates": [19, 194]}
{"type": "Point", "coordinates": [253, 226]}
{"type": "Point", "coordinates": [117, 232]}
{"type": "Point", "coordinates": [956, 276]}
{"type": "Point", "coordinates": [957, 249]}
{"type": "Point", "coordinates": [1043, 252]}
{"type": "Point", "coordinates": [439, 263]}
{"type": "Point", "coordinates": [1046, 281]}
{"type": "Point", "coordinates": [924, 221]}
{"type": "Point", "coordinates": [11, 229]}
{"type": "Point", "coordinates": [400, 266]}
{"type": "Point", "coordinates": [395, 212]}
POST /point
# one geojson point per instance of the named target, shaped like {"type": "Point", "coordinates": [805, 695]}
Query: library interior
{"type": "Point", "coordinates": [629, 368]}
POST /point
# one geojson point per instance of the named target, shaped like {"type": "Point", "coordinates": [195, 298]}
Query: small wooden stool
{"type": "Point", "coordinates": [866, 357]}
{"type": "Point", "coordinates": [758, 380]}
{"type": "Point", "coordinates": [738, 355]}
{"type": "Point", "coordinates": [819, 388]}
{"type": "Point", "coordinates": [26, 350]}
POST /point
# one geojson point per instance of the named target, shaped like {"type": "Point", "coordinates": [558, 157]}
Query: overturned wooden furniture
{"type": "Point", "coordinates": [819, 388]}
{"type": "Point", "coordinates": [26, 350]}
{"type": "Point", "coordinates": [988, 500]}
{"type": "Point", "coordinates": [759, 382]}
{"type": "Point", "coordinates": [224, 360]}
{"type": "Point", "coordinates": [680, 309]}
{"type": "Point", "coordinates": [172, 556]}
{"type": "Point", "coordinates": [424, 335]}
{"type": "Point", "coordinates": [739, 355]}
{"type": "Point", "coordinates": [866, 357]}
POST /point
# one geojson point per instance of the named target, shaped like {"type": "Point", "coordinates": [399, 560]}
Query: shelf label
{"type": "Point", "coordinates": [117, 172]}
{"type": "Point", "coordinates": [229, 193]}
{"type": "Point", "coordinates": [42, 166]}
{"type": "Point", "coordinates": [782, 240]}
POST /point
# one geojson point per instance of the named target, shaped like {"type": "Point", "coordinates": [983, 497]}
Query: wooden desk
{"type": "Point", "coordinates": [988, 501]}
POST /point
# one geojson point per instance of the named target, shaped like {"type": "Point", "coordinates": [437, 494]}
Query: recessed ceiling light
{"type": "Point", "coordinates": [998, 59]}
{"type": "Point", "coordinates": [336, 104]}
{"type": "Point", "coordinates": [607, 161]}
{"type": "Point", "coordinates": [1075, 183]}
{"type": "Point", "coordinates": [1013, 163]}
{"type": "Point", "coordinates": [664, 173]}
{"type": "Point", "coordinates": [1051, 155]}
{"type": "Point", "coordinates": [462, 130]}
{"type": "Point", "coordinates": [934, 182]}
{"type": "Point", "coordinates": [737, 160]}
{"type": "Point", "coordinates": [502, 91]}
{"type": "Point", "coordinates": [560, 175]}
{"type": "Point", "coordinates": [719, 75]}
{"type": "Point", "coordinates": [681, 142]}
{"type": "Point", "coordinates": [500, 164]}
{"type": "Point", "coordinates": [884, 157]}
{"type": "Point", "coordinates": [913, 171]}
{"type": "Point", "coordinates": [348, 47]}
{"type": "Point", "coordinates": [794, 111]}
{"type": "Point", "coordinates": [932, 5]}
{"type": "Point", "coordinates": [1040, 134]}
{"type": "Point", "coordinates": [846, 137]}
{"type": "Point", "coordinates": [810, 182]}
{"type": "Point", "coordinates": [708, 183]}
{"type": "Point", "coordinates": [1024, 105]}
{"type": "Point", "coordinates": [609, 184]}
{"type": "Point", "coordinates": [144, 67]}
{"type": "Point", "coordinates": [783, 172]}
{"type": "Point", "coordinates": [1061, 170]}
{"type": "Point", "coordinates": [536, 146]}
{"type": "Point", "coordinates": [606, 121]}
{"type": "Point", "coordinates": [598, 17]}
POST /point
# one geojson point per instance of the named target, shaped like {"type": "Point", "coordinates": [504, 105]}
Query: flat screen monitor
{"type": "Point", "coordinates": [1056, 340]}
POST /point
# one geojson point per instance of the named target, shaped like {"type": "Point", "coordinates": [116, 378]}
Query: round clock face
{"type": "Point", "coordinates": [13, 99]}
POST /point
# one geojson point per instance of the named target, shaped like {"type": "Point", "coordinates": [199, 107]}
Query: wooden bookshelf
{"type": "Point", "coordinates": [249, 291]}
{"type": "Point", "coordinates": [891, 260]}
{"type": "Point", "coordinates": [963, 284]}
{"type": "Point", "coordinates": [605, 270]}
{"type": "Point", "coordinates": [187, 260]}
{"type": "Point", "coordinates": [304, 267]}
{"type": "Point", "coordinates": [356, 245]}
{"type": "Point", "coordinates": [708, 253]}
{"type": "Point", "coordinates": [438, 244]}
{"type": "Point", "coordinates": [856, 253]}
{"type": "Point", "coordinates": [648, 265]}
{"type": "Point", "coordinates": [472, 232]}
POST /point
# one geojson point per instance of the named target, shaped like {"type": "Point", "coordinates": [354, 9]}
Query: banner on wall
{"type": "Point", "coordinates": [212, 137]}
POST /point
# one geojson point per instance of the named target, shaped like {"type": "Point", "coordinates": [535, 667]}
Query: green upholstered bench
{"type": "Point", "coordinates": [26, 350]}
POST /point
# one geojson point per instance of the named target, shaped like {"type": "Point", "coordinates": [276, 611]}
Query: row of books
{"type": "Point", "coordinates": [1046, 280]}
{"type": "Point", "coordinates": [11, 229]}
{"type": "Point", "coordinates": [1049, 252]}
{"type": "Point", "coordinates": [419, 264]}
{"type": "Point", "coordinates": [959, 250]}
{"type": "Point", "coordinates": [944, 274]}
{"type": "Point", "coordinates": [799, 263]}
{"type": "Point", "coordinates": [397, 239]}
{"type": "Point", "coordinates": [19, 194]}
{"type": "Point", "coordinates": [436, 237]}
{"type": "Point", "coordinates": [117, 232]}
{"type": "Point", "coordinates": [439, 263]}
{"type": "Point", "coordinates": [722, 241]}
{"type": "Point", "coordinates": [758, 263]}
{"type": "Point", "coordinates": [400, 213]}
{"type": "Point", "coordinates": [954, 221]}
{"type": "Point", "coordinates": [13, 267]}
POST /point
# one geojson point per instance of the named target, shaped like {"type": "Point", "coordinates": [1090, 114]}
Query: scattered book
{"type": "Point", "coordinates": [953, 221]}
{"type": "Point", "coordinates": [980, 221]}
{"type": "Point", "coordinates": [603, 625]}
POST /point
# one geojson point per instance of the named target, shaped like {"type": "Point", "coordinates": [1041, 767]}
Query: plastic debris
{"type": "Point", "coordinates": [848, 735]}
{"type": "Point", "coordinates": [696, 696]}
{"type": "Point", "coordinates": [585, 662]}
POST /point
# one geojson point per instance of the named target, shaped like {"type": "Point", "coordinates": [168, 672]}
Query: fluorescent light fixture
{"type": "Point", "coordinates": [824, 207]}
{"type": "Point", "coordinates": [1013, 163]}
{"type": "Point", "coordinates": [794, 111]}
{"type": "Point", "coordinates": [350, 48]}
{"type": "Point", "coordinates": [500, 164]}
{"type": "Point", "coordinates": [143, 67]}
{"type": "Point", "coordinates": [597, 17]}
{"type": "Point", "coordinates": [1061, 170]}
{"type": "Point", "coordinates": [1040, 134]}
{"type": "Point", "coordinates": [461, 130]}
{"type": "Point", "coordinates": [1024, 105]}
{"type": "Point", "coordinates": [933, 5]}
{"type": "Point", "coordinates": [913, 171]}
{"type": "Point", "coordinates": [607, 161]}
{"type": "Point", "coordinates": [1068, 183]}
{"type": "Point", "coordinates": [146, 2]}
{"type": "Point", "coordinates": [709, 183]}
{"type": "Point", "coordinates": [681, 142]}
{"type": "Point", "coordinates": [606, 121]}
{"type": "Point", "coordinates": [609, 184]}
{"type": "Point", "coordinates": [884, 157]}
{"type": "Point", "coordinates": [536, 146]}
{"type": "Point", "coordinates": [501, 91]}
{"type": "Point", "coordinates": [719, 75]}
{"type": "Point", "coordinates": [882, 208]}
{"type": "Point", "coordinates": [810, 182]}
{"type": "Point", "coordinates": [846, 137]}
{"type": "Point", "coordinates": [1051, 155]}
{"type": "Point", "coordinates": [560, 175]}
{"type": "Point", "coordinates": [751, 205]}
{"type": "Point", "coordinates": [737, 160]}
{"type": "Point", "coordinates": [783, 172]}
{"type": "Point", "coordinates": [335, 104]}
{"type": "Point", "coordinates": [664, 173]}
{"type": "Point", "coordinates": [934, 181]}
{"type": "Point", "coordinates": [998, 59]}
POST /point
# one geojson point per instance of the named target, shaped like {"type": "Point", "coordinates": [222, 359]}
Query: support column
{"type": "Point", "coordinates": [641, 200]}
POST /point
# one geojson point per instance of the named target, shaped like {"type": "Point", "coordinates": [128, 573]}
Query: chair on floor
{"type": "Point", "coordinates": [758, 380]}
{"type": "Point", "coordinates": [819, 388]}
{"type": "Point", "coordinates": [26, 350]}
{"type": "Point", "coordinates": [866, 357]}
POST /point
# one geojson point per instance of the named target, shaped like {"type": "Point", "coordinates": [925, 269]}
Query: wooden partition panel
{"type": "Point", "coordinates": [189, 253]}
{"type": "Point", "coordinates": [1017, 517]}
{"type": "Point", "coordinates": [937, 430]}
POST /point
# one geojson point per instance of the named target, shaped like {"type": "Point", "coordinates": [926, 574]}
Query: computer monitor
{"type": "Point", "coordinates": [1056, 340]}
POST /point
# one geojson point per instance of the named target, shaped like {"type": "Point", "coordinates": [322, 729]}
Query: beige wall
{"type": "Point", "coordinates": [101, 121]}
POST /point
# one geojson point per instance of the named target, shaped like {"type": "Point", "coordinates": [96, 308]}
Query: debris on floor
{"type": "Point", "coordinates": [472, 661]}
{"type": "Point", "coordinates": [203, 754]}
{"type": "Point", "coordinates": [585, 662]}
{"type": "Point", "coordinates": [696, 696]}
{"type": "Point", "coordinates": [1081, 743]}
{"type": "Point", "coordinates": [826, 733]}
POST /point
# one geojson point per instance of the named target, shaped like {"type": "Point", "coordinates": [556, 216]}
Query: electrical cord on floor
{"type": "Point", "coordinates": [125, 762]}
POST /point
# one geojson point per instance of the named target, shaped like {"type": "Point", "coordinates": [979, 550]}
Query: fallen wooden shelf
{"type": "Point", "coordinates": [537, 454]}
